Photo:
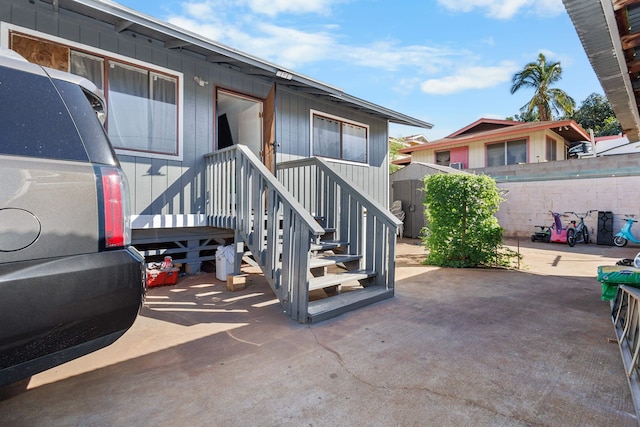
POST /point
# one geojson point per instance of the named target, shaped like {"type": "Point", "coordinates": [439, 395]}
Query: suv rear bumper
{"type": "Point", "coordinates": [55, 310]}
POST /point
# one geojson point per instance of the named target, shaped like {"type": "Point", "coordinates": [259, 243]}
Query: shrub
{"type": "Point", "coordinates": [462, 230]}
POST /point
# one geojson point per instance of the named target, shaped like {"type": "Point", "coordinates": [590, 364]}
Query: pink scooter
{"type": "Point", "coordinates": [559, 233]}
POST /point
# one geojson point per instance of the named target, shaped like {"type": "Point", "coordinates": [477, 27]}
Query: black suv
{"type": "Point", "coordinates": [69, 281]}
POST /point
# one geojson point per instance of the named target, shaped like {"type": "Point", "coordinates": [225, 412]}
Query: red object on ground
{"type": "Point", "coordinates": [166, 276]}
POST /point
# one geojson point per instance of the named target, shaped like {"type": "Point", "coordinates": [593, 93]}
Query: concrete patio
{"type": "Point", "coordinates": [478, 347]}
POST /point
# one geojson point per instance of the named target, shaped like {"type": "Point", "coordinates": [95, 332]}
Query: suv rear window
{"type": "Point", "coordinates": [33, 119]}
{"type": "Point", "coordinates": [91, 131]}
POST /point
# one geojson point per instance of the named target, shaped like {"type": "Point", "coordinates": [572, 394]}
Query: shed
{"type": "Point", "coordinates": [407, 185]}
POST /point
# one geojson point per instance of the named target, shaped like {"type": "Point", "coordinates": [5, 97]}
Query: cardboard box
{"type": "Point", "coordinates": [236, 282]}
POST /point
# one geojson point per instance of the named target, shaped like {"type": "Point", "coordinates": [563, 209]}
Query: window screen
{"type": "Point", "coordinates": [507, 153]}
{"type": "Point", "coordinates": [495, 154]}
{"type": "Point", "coordinates": [443, 158]}
{"type": "Point", "coordinates": [339, 139]}
{"type": "Point", "coordinates": [551, 152]}
{"type": "Point", "coordinates": [326, 137]}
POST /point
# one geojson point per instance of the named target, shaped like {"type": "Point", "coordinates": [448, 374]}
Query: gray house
{"type": "Point", "coordinates": [219, 146]}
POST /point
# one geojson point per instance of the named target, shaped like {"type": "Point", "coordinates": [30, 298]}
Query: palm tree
{"type": "Point", "coordinates": [540, 76]}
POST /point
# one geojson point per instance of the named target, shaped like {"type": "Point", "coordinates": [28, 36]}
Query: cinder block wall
{"type": "Point", "coordinates": [527, 204]}
{"type": "Point", "coordinates": [610, 183]}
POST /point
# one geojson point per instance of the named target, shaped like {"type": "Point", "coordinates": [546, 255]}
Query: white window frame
{"type": "Point", "coordinates": [341, 120]}
{"type": "Point", "coordinates": [6, 28]}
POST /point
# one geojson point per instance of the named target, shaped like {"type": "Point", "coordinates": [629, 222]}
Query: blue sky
{"type": "Point", "coordinates": [443, 61]}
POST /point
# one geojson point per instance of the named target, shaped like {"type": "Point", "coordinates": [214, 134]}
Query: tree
{"type": "Point", "coordinates": [526, 117]}
{"type": "Point", "coordinates": [462, 230]}
{"type": "Point", "coordinates": [395, 145]}
{"type": "Point", "coordinates": [540, 76]}
{"type": "Point", "coordinates": [596, 113]}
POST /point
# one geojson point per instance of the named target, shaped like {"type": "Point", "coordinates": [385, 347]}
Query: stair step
{"type": "Point", "coordinates": [327, 260]}
{"type": "Point", "coordinates": [325, 245]}
{"type": "Point", "coordinates": [338, 278]}
{"type": "Point", "coordinates": [327, 308]}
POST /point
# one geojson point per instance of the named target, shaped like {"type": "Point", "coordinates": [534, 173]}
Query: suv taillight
{"type": "Point", "coordinates": [117, 231]}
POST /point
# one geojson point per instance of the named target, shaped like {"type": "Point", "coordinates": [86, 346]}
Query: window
{"type": "Point", "coordinates": [88, 66]}
{"type": "Point", "coordinates": [443, 158]}
{"type": "Point", "coordinates": [507, 153]}
{"type": "Point", "coordinates": [142, 109]}
{"type": "Point", "coordinates": [551, 149]}
{"type": "Point", "coordinates": [142, 99]}
{"type": "Point", "coordinates": [339, 139]}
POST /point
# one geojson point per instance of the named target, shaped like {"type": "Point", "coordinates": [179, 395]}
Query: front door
{"type": "Point", "coordinates": [248, 121]}
{"type": "Point", "coordinates": [239, 121]}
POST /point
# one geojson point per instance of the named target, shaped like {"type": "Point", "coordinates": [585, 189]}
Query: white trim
{"type": "Point", "coordinates": [6, 27]}
{"type": "Point", "coordinates": [343, 120]}
{"type": "Point", "coordinates": [168, 221]}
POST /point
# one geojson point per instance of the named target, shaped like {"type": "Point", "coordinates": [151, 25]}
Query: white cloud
{"type": "Point", "coordinates": [199, 9]}
{"type": "Point", "coordinates": [289, 47]}
{"type": "Point", "coordinates": [276, 7]}
{"type": "Point", "coordinates": [406, 86]}
{"type": "Point", "coordinates": [477, 77]}
{"type": "Point", "coordinates": [271, 8]}
{"type": "Point", "coordinates": [392, 56]}
{"type": "Point", "coordinates": [285, 46]}
{"type": "Point", "coordinates": [505, 9]}
{"type": "Point", "coordinates": [294, 48]}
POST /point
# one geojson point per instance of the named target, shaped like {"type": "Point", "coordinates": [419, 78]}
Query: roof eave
{"type": "Point", "coordinates": [497, 135]}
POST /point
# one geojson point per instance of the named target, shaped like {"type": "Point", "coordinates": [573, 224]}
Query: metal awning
{"type": "Point", "coordinates": [610, 34]}
{"type": "Point", "coordinates": [123, 19]}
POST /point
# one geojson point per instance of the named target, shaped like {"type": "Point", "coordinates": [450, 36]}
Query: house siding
{"type": "Point", "coordinates": [170, 187]}
{"type": "Point", "coordinates": [536, 149]}
{"type": "Point", "coordinates": [293, 132]}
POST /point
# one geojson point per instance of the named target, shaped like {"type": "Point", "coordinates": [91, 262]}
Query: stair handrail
{"type": "Point", "coordinates": [371, 205]}
{"type": "Point", "coordinates": [271, 181]}
{"type": "Point", "coordinates": [370, 229]}
{"type": "Point", "coordinates": [245, 196]}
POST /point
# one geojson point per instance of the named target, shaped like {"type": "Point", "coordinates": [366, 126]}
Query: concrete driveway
{"type": "Point", "coordinates": [455, 347]}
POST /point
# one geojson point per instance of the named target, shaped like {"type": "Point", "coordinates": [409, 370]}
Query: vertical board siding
{"type": "Point", "coordinates": [23, 16]}
{"type": "Point", "coordinates": [177, 187]}
{"type": "Point", "coordinates": [293, 130]}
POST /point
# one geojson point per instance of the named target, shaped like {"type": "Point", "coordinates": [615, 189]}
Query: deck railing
{"type": "Point", "coordinates": [369, 228]}
{"type": "Point", "coordinates": [245, 196]}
